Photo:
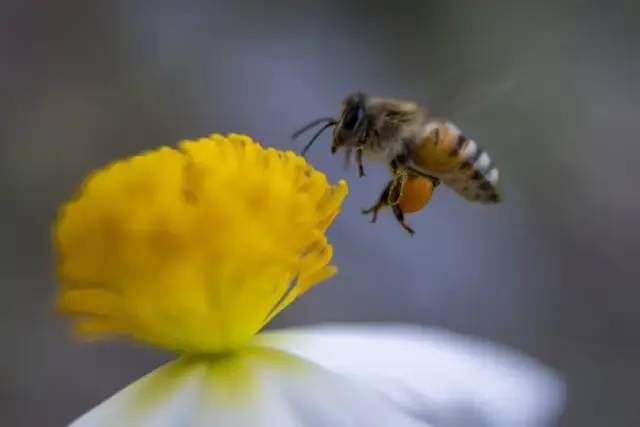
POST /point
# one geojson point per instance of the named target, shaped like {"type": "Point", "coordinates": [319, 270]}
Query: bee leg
{"type": "Point", "coordinates": [359, 161]}
{"type": "Point", "coordinates": [400, 217]}
{"type": "Point", "coordinates": [434, 180]}
{"type": "Point", "coordinates": [396, 186]}
{"type": "Point", "coordinates": [381, 203]}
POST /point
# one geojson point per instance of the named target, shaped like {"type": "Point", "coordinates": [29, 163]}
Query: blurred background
{"type": "Point", "coordinates": [550, 89]}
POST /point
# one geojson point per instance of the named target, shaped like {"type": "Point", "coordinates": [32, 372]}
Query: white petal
{"type": "Point", "coordinates": [259, 387]}
{"type": "Point", "coordinates": [447, 379]}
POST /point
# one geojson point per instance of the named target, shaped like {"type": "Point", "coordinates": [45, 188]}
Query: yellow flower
{"type": "Point", "coordinates": [194, 249]}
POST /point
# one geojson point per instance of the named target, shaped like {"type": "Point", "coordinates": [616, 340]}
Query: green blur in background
{"type": "Point", "coordinates": [550, 89]}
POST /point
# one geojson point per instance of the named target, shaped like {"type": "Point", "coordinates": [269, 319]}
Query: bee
{"type": "Point", "coordinates": [421, 152]}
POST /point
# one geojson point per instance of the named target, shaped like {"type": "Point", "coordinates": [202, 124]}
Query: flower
{"type": "Point", "coordinates": [195, 249]}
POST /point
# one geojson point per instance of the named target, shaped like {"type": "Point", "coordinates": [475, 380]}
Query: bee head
{"type": "Point", "coordinates": [351, 128]}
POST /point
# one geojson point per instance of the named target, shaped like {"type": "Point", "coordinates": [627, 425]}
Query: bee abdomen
{"type": "Point", "coordinates": [476, 178]}
{"type": "Point", "coordinates": [463, 165]}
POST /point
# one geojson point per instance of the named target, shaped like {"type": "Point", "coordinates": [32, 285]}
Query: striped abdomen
{"type": "Point", "coordinates": [458, 161]}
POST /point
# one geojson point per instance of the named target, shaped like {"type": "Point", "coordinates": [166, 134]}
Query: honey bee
{"type": "Point", "coordinates": [418, 149]}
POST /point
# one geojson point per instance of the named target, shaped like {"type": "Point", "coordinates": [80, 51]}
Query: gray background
{"type": "Point", "coordinates": [551, 90]}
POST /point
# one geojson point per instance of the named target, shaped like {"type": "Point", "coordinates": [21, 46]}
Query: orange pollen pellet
{"type": "Point", "coordinates": [416, 194]}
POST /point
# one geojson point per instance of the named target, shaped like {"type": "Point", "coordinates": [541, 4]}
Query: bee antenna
{"type": "Point", "coordinates": [317, 134]}
{"type": "Point", "coordinates": [311, 125]}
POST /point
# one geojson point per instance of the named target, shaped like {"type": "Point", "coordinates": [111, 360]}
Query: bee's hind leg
{"type": "Point", "coordinates": [381, 203]}
{"type": "Point", "coordinates": [397, 212]}
{"type": "Point", "coordinates": [434, 180]}
{"type": "Point", "coordinates": [390, 197]}
{"type": "Point", "coordinates": [396, 186]}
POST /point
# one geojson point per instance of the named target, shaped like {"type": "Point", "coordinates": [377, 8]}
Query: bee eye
{"type": "Point", "coordinates": [352, 118]}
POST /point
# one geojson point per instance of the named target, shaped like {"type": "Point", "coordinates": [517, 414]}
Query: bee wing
{"type": "Point", "coordinates": [453, 94]}
{"type": "Point", "coordinates": [444, 152]}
